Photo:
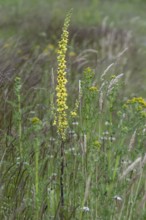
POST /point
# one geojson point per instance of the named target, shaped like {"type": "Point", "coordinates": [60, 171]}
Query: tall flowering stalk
{"type": "Point", "coordinates": [61, 117]}
{"type": "Point", "coordinates": [61, 100]}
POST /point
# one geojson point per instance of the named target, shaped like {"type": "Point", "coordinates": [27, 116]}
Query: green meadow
{"type": "Point", "coordinates": [72, 110]}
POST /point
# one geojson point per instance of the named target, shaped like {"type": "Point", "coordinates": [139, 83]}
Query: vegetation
{"type": "Point", "coordinates": [72, 118]}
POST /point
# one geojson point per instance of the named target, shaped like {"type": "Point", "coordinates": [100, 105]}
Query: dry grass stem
{"type": "Point", "coordinates": [132, 141]}
{"type": "Point", "coordinates": [106, 70]}
{"type": "Point", "coordinates": [113, 82]}
{"type": "Point", "coordinates": [130, 168]}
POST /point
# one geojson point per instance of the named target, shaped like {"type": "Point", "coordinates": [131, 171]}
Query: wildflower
{"type": "Point", "coordinates": [93, 89]}
{"type": "Point", "coordinates": [52, 139]}
{"type": "Point", "coordinates": [73, 114]}
{"type": "Point", "coordinates": [107, 123]}
{"type": "Point", "coordinates": [71, 132]}
{"type": "Point", "coordinates": [97, 144]}
{"type": "Point", "coordinates": [117, 198]}
{"type": "Point", "coordinates": [86, 209]}
{"type": "Point", "coordinates": [75, 123]}
{"type": "Point", "coordinates": [61, 116]}
{"type": "Point", "coordinates": [35, 120]}
{"type": "Point", "coordinates": [105, 132]}
{"type": "Point", "coordinates": [113, 76]}
{"type": "Point", "coordinates": [49, 190]}
{"type": "Point", "coordinates": [26, 163]}
{"type": "Point", "coordinates": [112, 139]}
{"type": "Point", "coordinates": [137, 100]}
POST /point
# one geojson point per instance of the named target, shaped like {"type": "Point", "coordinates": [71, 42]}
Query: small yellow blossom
{"type": "Point", "coordinates": [113, 76]}
{"type": "Point", "coordinates": [35, 120]}
{"type": "Point", "coordinates": [93, 89]}
{"type": "Point", "coordinates": [97, 144]}
{"type": "Point", "coordinates": [73, 114]}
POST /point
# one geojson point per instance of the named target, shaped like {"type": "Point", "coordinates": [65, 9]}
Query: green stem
{"type": "Point", "coordinates": [20, 126]}
{"type": "Point", "coordinates": [62, 180]}
{"type": "Point", "coordinates": [36, 176]}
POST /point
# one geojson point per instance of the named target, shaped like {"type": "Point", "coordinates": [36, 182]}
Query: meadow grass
{"type": "Point", "coordinates": [90, 163]}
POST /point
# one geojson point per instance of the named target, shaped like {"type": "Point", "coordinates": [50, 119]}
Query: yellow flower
{"type": "Point", "coordinates": [97, 144]}
{"type": "Point", "coordinates": [61, 91]}
{"type": "Point", "coordinates": [73, 114]}
{"type": "Point", "coordinates": [113, 76]}
{"type": "Point", "coordinates": [137, 100]}
{"type": "Point", "coordinates": [35, 120]}
{"type": "Point", "coordinates": [93, 89]}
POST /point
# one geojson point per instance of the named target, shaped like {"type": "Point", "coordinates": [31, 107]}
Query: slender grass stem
{"type": "Point", "coordinates": [62, 179]}
{"type": "Point", "coordinates": [20, 126]}
{"type": "Point", "coordinates": [36, 176]}
{"type": "Point", "coordinates": [19, 113]}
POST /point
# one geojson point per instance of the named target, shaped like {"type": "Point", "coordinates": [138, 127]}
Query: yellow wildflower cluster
{"type": "Point", "coordinates": [35, 120]}
{"type": "Point", "coordinates": [139, 105]}
{"type": "Point", "coordinates": [137, 100]}
{"type": "Point", "coordinates": [61, 117]}
{"type": "Point", "coordinates": [93, 89]}
{"type": "Point", "coordinates": [74, 112]}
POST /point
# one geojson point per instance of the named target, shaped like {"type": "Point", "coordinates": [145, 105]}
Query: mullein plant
{"type": "Point", "coordinates": [61, 121]}
{"type": "Point", "coordinates": [61, 91]}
